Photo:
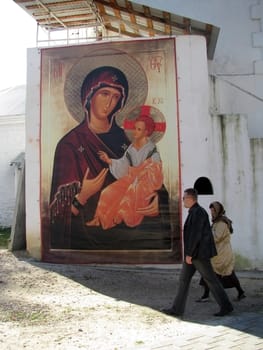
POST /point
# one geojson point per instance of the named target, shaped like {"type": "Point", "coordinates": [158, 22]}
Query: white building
{"type": "Point", "coordinates": [12, 141]}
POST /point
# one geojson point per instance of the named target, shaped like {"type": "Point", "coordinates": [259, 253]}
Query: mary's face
{"type": "Point", "coordinates": [103, 102]}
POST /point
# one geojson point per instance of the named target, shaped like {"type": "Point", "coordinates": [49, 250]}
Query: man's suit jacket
{"type": "Point", "coordinates": [198, 237]}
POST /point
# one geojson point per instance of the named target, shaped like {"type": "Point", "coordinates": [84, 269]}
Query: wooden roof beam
{"type": "Point", "coordinates": [126, 33]}
{"type": "Point", "coordinates": [108, 19]}
{"type": "Point", "coordinates": [140, 14]}
{"type": "Point", "coordinates": [148, 16]}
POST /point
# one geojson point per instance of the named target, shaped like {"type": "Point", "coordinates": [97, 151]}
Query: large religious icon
{"type": "Point", "coordinates": [109, 153]}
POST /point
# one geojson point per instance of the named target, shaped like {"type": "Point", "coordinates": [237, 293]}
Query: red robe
{"type": "Point", "coordinates": [120, 201]}
{"type": "Point", "coordinates": [75, 152]}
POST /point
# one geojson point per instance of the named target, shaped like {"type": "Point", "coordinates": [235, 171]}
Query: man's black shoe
{"type": "Point", "coordinates": [240, 296]}
{"type": "Point", "coordinates": [171, 312]}
{"type": "Point", "coordinates": [224, 312]}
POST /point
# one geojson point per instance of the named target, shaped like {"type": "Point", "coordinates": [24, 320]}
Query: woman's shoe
{"type": "Point", "coordinates": [203, 299]}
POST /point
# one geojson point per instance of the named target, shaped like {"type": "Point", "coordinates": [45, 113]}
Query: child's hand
{"type": "Point", "coordinates": [103, 156]}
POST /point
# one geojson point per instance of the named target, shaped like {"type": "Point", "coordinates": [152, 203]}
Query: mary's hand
{"type": "Point", "coordinates": [91, 186]}
{"type": "Point", "coordinates": [153, 208]}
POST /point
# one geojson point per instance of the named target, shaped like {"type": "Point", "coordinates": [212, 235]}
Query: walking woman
{"type": "Point", "coordinates": [223, 262]}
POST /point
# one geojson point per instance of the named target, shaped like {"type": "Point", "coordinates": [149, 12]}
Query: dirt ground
{"type": "Point", "coordinates": [52, 306]}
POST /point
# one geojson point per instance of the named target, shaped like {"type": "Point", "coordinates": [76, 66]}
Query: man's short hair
{"type": "Point", "coordinates": [191, 192]}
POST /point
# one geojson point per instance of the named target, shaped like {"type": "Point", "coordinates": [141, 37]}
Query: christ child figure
{"type": "Point", "coordinates": [139, 175]}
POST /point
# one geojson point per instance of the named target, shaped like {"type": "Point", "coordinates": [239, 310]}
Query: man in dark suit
{"type": "Point", "coordinates": [199, 248]}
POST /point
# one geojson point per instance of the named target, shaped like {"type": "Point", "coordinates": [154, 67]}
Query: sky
{"type": "Point", "coordinates": [17, 33]}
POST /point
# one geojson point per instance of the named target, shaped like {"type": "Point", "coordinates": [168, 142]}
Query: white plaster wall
{"type": "Point", "coordinates": [237, 181]}
{"type": "Point", "coordinates": [193, 102]}
{"type": "Point", "coordinates": [12, 141]}
{"type": "Point", "coordinates": [233, 179]}
{"type": "Point", "coordinates": [244, 95]}
{"type": "Point", "coordinates": [256, 147]}
{"type": "Point", "coordinates": [32, 180]}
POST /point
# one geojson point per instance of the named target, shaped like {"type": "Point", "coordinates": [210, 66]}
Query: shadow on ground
{"type": "Point", "coordinates": [155, 286]}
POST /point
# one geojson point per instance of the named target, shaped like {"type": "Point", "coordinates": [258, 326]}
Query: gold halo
{"type": "Point", "coordinates": [135, 74]}
{"type": "Point", "coordinates": [156, 115]}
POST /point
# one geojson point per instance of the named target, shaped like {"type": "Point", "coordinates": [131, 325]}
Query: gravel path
{"type": "Point", "coordinates": [52, 306]}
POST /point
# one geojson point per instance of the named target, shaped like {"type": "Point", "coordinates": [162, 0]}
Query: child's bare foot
{"type": "Point", "coordinates": [93, 222]}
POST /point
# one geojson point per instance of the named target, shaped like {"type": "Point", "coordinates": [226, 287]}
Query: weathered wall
{"type": "Point", "coordinates": [237, 179]}
{"type": "Point", "coordinates": [12, 141]}
{"type": "Point", "coordinates": [32, 179]}
{"type": "Point", "coordinates": [193, 102]}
